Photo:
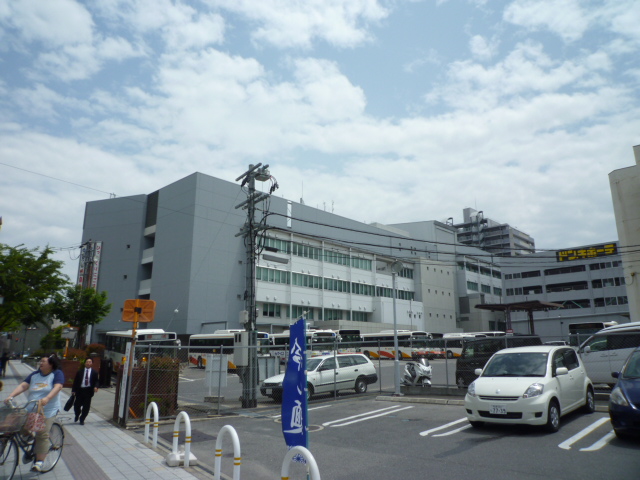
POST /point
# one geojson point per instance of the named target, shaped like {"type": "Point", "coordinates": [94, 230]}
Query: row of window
{"type": "Point", "coordinates": [316, 253]}
{"type": "Point", "coordinates": [275, 310]}
{"type": "Point", "coordinates": [330, 284]}
{"type": "Point", "coordinates": [472, 267]}
{"type": "Point", "coordinates": [483, 288]}
{"type": "Point", "coordinates": [562, 270]}
{"type": "Point", "coordinates": [566, 287]}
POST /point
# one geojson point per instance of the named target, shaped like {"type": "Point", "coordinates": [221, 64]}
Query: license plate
{"type": "Point", "coordinates": [498, 410]}
{"type": "Point", "coordinates": [267, 391]}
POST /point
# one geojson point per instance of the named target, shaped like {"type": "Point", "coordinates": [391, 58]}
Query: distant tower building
{"type": "Point", "coordinates": [501, 239]}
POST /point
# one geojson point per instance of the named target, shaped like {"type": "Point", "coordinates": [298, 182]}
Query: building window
{"type": "Point", "coordinates": [271, 310]}
{"type": "Point", "coordinates": [472, 286]}
{"type": "Point", "coordinates": [485, 288]}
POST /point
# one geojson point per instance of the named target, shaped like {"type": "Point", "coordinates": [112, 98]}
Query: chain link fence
{"type": "Point", "coordinates": [212, 384]}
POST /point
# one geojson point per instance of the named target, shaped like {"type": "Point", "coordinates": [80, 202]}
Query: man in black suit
{"type": "Point", "coordinates": [85, 384]}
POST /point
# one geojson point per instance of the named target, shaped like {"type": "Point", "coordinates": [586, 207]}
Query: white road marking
{"type": "Point", "coordinates": [582, 433]}
{"type": "Point", "coordinates": [367, 414]}
{"type": "Point", "coordinates": [452, 431]}
{"type": "Point", "coordinates": [308, 410]}
{"type": "Point", "coordinates": [427, 432]}
{"type": "Point", "coordinates": [600, 443]}
{"type": "Point", "coordinates": [369, 417]}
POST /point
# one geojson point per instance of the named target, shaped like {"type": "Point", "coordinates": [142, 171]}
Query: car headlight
{"type": "Point", "coordinates": [534, 390]}
{"type": "Point", "coordinates": [618, 398]}
{"type": "Point", "coordinates": [471, 389]}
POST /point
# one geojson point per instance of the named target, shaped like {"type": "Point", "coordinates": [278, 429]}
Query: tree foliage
{"type": "Point", "coordinates": [29, 280]}
{"type": "Point", "coordinates": [80, 308]}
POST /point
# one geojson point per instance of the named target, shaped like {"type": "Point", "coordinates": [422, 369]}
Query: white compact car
{"type": "Point", "coordinates": [532, 385]}
{"type": "Point", "coordinates": [352, 372]}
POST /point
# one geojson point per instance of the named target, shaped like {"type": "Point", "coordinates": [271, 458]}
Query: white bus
{"type": "Point", "coordinates": [579, 332]}
{"type": "Point", "coordinates": [116, 342]}
{"type": "Point", "coordinates": [381, 344]}
{"type": "Point", "coordinates": [319, 342]}
{"type": "Point", "coordinates": [220, 342]}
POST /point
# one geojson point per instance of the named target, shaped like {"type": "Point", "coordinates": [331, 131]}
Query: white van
{"type": "Point", "coordinates": [606, 351]}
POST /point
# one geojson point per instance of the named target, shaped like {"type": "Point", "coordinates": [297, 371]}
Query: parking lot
{"type": "Point", "coordinates": [365, 436]}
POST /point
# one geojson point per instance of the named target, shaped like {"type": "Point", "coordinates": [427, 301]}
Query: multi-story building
{"type": "Point", "coordinates": [625, 191]}
{"type": "Point", "coordinates": [499, 239]}
{"type": "Point", "coordinates": [180, 247]}
{"type": "Point", "coordinates": [477, 280]}
{"type": "Point", "coordinates": [588, 281]}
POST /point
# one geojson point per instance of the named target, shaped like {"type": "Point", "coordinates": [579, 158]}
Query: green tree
{"type": "Point", "coordinates": [53, 340]}
{"type": "Point", "coordinates": [29, 279]}
{"type": "Point", "coordinates": [80, 308]}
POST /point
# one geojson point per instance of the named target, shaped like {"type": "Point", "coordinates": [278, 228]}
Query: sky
{"type": "Point", "coordinates": [386, 111]}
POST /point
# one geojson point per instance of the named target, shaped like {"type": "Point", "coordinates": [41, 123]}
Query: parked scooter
{"type": "Point", "coordinates": [417, 373]}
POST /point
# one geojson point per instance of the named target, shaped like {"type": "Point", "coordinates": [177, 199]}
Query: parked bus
{"type": "Point", "coordinates": [116, 342]}
{"type": "Point", "coordinates": [319, 342]}
{"type": "Point", "coordinates": [579, 332]}
{"type": "Point", "coordinates": [221, 342]}
{"type": "Point", "coordinates": [381, 345]}
{"type": "Point", "coordinates": [349, 340]}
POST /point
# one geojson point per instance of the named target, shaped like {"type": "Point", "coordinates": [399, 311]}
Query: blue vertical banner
{"type": "Point", "coordinates": [295, 426]}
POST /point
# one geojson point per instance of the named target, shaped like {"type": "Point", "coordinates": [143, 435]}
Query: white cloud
{"type": "Point", "coordinates": [565, 18]}
{"type": "Point", "coordinates": [481, 48]}
{"type": "Point", "coordinates": [54, 22]}
{"type": "Point", "coordinates": [525, 71]}
{"type": "Point", "coordinates": [342, 23]}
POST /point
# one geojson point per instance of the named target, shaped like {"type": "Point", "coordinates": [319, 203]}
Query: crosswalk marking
{"type": "Point", "coordinates": [368, 416]}
{"type": "Point", "coordinates": [442, 427]}
{"type": "Point", "coordinates": [582, 433]}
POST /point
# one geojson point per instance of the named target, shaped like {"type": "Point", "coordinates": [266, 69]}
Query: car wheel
{"type": "Point", "coordinates": [361, 386]}
{"type": "Point", "coordinates": [590, 401]}
{"type": "Point", "coordinates": [460, 382]}
{"type": "Point", "coordinates": [553, 417]}
{"type": "Point", "coordinates": [449, 354]}
{"type": "Point", "coordinates": [477, 424]}
{"type": "Point", "coordinates": [309, 391]}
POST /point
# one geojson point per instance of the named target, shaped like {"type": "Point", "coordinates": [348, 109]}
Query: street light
{"type": "Point", "coordinates": [396, 268]}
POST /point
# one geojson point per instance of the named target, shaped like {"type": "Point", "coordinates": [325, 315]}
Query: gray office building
{"type": "Point", "coordinates": [588, 281]}
{"type": "Point", "coordinates": [180, 247]}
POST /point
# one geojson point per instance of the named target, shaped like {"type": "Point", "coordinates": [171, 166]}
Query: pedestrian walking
{"type": "Point", "coordinates": [85, 385]}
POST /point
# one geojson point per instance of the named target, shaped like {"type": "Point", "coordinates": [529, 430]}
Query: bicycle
{"type": "Point", "coordinates": [13, 439]}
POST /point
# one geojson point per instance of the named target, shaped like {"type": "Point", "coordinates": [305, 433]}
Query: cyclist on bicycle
{"type": "Point", "coordinates": [44, 385]}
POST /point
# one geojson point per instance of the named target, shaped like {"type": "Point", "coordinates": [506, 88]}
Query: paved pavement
{"type": "Point", "coordinates": [98, 450]}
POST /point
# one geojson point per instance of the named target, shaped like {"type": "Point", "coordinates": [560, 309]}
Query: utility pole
{"type": "Point", "coordinates": [250, 231]}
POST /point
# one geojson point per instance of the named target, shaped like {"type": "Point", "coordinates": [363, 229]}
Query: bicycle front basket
{"type": "Point", "coordinates": [11, 419]}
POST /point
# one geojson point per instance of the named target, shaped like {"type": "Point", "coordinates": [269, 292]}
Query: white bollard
{"type": "Point", "coordinates": [175, 457]}
{"type": "Point", "coordinates": [237, 458]}
{"type": "Point", "coordinates": [312, 466]}
{"type": "Point", "coordinates": [147, 422]}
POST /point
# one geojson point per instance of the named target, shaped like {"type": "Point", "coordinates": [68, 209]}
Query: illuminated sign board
{"type": "Point", "coordinates": [589, 252]}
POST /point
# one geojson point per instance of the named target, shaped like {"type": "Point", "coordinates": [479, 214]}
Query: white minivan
{"type": "Point", "coordinates": [606, 351]}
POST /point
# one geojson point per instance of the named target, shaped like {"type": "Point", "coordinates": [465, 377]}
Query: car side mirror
{"type": "Point", "coordinates": [562, 371]}
{"type": "Point", "coordinates": [478, 371]}
{"type": "Point", "coordinates": [587, 349]}
{"type": "Point", "coordinates": [615, 374]}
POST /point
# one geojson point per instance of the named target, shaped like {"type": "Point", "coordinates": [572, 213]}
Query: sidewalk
{"type": "Point", "coordinates": [97, 450]}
